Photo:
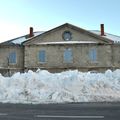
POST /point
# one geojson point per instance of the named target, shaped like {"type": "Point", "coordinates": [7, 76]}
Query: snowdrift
{"type": "Point", "coordinates": [70, 86]}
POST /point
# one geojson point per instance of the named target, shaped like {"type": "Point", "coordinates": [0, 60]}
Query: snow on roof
{"type": "Point", "coordinates": [65, 42]}
{"type": "Point", "coordinates": [22, 39]}
{"type": "Point", "coordinates": [19, 40]}
{"type": "Point", "coordinates": [112, 37]}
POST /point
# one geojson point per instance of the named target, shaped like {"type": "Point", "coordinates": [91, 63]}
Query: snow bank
{"type": "Point", "coordinates": [70, 86]}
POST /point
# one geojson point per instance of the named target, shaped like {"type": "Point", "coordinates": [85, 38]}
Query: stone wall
{"type": "Point", "coordinates": [81, 60]}
{"type": "Point", "coordinates": [5, 66]}
{"type": "Point", "coordinates": [116, 55]}
{"type": "Point", "coordinates": [108, 57]}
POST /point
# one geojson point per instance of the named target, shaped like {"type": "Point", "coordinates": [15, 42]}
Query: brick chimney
{"type": "Point", "coordinates": [102, 30]}
{"type": "Point", "coordinates": [31, 34]}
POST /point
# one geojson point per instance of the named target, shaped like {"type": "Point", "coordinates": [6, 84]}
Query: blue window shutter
{"type": "Point", "coordinates": [68, 57]}
{"type": "Point", "coordinates": [12, 57]}
{"type": "Point", "coordinates": [42, 56]}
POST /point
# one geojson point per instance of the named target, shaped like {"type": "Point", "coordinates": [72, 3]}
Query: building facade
{"type": "Point", "coordinates": [62, 48]}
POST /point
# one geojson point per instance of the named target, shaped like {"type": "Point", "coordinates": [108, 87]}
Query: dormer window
{"type": "Point", "coordinates": [67, 35]}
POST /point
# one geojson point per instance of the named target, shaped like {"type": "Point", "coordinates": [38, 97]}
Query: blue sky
{"type": "Point", "coordinates": [16, 16]}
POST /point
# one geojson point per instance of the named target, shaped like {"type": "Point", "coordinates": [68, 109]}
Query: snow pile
{"type": "Point", "coordinates": [70, 86]}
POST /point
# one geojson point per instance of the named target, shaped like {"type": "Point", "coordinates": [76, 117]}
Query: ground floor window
{"type": "Point", "coordinates": [12, 58]}
{"type": "Point", "coordinates": [68, 55]}
{"type": "Point", "coordinates": [42, 56]}
{"type": "Point", "coordinates": [93, 55]}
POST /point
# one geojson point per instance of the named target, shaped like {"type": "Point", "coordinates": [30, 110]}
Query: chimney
{"type": "Point", "coordinates": [31, 34]}
{"type": "Point", "coordinates": [102, 30]}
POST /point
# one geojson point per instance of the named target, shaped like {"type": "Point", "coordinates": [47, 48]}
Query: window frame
{"type": "Point", "coordinates": [67, 36]}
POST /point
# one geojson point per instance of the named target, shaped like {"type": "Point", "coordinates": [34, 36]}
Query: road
{"type": "Point", "coordinates": [75, 111]}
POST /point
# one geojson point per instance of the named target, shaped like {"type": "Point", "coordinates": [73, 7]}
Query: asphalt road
{"type": "Point", "coordinates": [78, 111]}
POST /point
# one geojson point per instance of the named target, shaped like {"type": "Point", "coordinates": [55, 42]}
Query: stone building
{"type": "Point", "coordinates": [62, 48]}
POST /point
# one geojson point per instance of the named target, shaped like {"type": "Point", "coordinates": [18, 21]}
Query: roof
{"type": "Point", "coordinates": [105, 40]}
{"type": "Point", "coordinates": [114, 38]}
{"type": "Point", "coordinates": [20, 40]}
{"type": "Point", "coordinates": [109, 38]}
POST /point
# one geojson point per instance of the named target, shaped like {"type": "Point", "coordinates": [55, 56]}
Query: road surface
{"type": "Point", "coordinates": [74, 111]}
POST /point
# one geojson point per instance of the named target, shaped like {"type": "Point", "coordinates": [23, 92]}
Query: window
{"type": "Point", "coordinates": [67, 35]}
{"type": "Point", "coordinates": [68, 57]}
{"type": "Point", "coordinates": [42, 56]}
{"type": "Point", "coordinates": [12, 57]}
{"type": "Point", "coordinates": [93, 54]}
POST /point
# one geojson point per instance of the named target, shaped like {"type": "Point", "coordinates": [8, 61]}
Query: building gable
{"type": "Point", "coordinates": [67, 33]}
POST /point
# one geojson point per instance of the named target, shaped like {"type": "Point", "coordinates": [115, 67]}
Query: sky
{"type": "Point", "coordinates": [16, 16]}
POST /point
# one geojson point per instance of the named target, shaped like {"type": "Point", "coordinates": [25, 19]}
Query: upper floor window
{"type": "Point", "coordinates": [67, 35]}
{"type": "Point", "coordinates": [93, 54]}
{"type": "Point", "coordinates": [68, 55]}
{"type": "Point", "coordinates": [12, 57]}
{"type": "Point", "coordinates": [42, 56]}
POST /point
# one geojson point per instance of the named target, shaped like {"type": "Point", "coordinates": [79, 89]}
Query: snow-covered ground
{"type": "Point", "coordinates": [70, 86]}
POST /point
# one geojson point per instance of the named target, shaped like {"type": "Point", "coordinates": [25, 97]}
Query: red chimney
{"type": "Point", "coordinates": [31, 34]}
{"type": "Point", "coordinates": [102, 30]}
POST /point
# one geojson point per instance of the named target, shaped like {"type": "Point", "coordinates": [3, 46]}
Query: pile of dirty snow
{"type": "Point", "coordinates": [70, 86]}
